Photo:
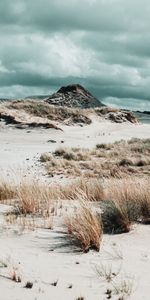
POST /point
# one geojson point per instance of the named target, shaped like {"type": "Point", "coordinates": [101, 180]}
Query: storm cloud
{"type": "Point", "coordinates": [102, 44]}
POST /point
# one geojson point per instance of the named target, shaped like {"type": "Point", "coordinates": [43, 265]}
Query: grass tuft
{"type": "Point", "coordinates": [85, 226]}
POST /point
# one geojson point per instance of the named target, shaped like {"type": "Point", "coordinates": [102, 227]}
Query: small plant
{"type": "Point", "coordinates": [106, 272]}
{"type": "Point", "coordinates": [123, 288]}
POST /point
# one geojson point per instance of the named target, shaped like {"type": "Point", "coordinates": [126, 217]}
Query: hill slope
{"type": "Point", "coordinates": [74, 96]}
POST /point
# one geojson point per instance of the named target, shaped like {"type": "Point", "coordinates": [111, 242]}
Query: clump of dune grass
{"type": "Point", "coordinates": [34, 198]}
{"type": "Point", "coordinates": [128, 201]}
{"type": "Point", "coordinates": [7, 190]}
{"type": "Point", "coordinates": [85, 226]}
{"type": "Point", "coordinates": [115, 218]}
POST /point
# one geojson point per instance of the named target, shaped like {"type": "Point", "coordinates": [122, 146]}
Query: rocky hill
{"type": "Point", "coordinates": [74, 96]}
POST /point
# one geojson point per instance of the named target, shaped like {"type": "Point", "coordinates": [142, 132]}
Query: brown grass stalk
{"type": "Point", "coordinates": [85, 226]}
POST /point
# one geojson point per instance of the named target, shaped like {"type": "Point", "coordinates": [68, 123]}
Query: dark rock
{"type": "Point", "coordinates": [122, 116]}
{"type": "Point", "coordinates": [51, 141]}
{"type": "Point", "coordinates": [28, 285]}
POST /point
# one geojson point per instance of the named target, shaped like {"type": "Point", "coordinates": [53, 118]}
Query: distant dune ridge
{"type": "Point", "coordinates": [74, 95]}
{"type": "Point", "coordinates": [71, 104]}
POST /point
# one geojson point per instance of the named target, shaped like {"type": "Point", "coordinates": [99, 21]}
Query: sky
{"type": "Point", "coordinates": [103, 45]}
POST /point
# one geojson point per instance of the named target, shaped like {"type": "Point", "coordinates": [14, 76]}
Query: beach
{"type": "Point", "coordinates": [43, 256]}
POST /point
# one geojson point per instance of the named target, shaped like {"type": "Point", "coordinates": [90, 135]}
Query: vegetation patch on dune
{"type": "Point", "coordinates": [94, 206]}
{"type": "Point", "coordinates": [121, 159]}
{"type": "Point", "coordinates": [50, 112]}
{"type": "Point", "coordinates": [11, 113]}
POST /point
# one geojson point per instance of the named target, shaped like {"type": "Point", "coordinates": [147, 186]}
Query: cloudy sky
{"type": "Point", "coordinates": [102, 44]}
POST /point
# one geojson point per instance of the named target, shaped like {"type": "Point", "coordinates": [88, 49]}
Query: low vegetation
{"type": "Point", "coordinates": [129, 199]}
{"type": "Point", "coordinates": [111, 206]}
{"type": "Point", "coordinates": [107, 201]}
{"type": "Point", "coordinates": [118, 160]}
{"type": "Point", "coordinates": [53, 113]}
{"type": "Point", "coordinates": [12, 111]}
{"type": "Point", "coordinates": [85, 226]}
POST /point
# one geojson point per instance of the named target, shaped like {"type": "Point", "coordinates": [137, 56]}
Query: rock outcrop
{"type": "Point", "coordinates": [116, 115]}
{"type": "Point", "coordinates": [74, 96]}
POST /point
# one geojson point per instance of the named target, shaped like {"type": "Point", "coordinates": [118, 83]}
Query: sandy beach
{"type": "Point", "coordinates": [44, 257]}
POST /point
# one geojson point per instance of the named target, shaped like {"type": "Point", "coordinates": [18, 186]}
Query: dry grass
{"type": "Point", "coordinates": [127, 201]}
{"type": "Point", "coordinates": [36, 204]}
{"type": "Point", "coordinates": [92, 189]}
{"type": "Point", "coordinates": [54, 113]}
{"type": "Point", "coordinates": [7, 190]}
{"type": "Point", "coordinates": [124, 288]}
{"type": "Point", "coordinates": [85, 226]}
{"type": "Point", "coordinates": [106, 272]}
{"type": "Point", "coordinates": [115, 218]}
{"type": "Point", "coordinates": [29, 222]}
{"type": "Point", "coordinates": [118, 160]}
{"type": "Point", "coordinates": [123, 201]}
{"type": "Point", "coordinates": [34, 198]}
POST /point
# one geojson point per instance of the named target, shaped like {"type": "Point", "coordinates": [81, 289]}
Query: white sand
{"type": "Point", "coordinates": [30, 253]}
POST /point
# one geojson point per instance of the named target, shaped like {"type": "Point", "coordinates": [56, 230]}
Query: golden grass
{"type": "Point", "coordinates": [85, 226]}
{"type": "Point", "coordinates": [33, 197]}
{"type": "Point", "coordinates": [123, 201]}
{"type": "Point", "coordinates": [7, 190]}
{"type": "Point", "coordinates": [92, 189]}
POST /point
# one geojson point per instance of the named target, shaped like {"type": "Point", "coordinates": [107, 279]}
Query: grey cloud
{"type": "Point", "coordinates": [103, 45]}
